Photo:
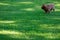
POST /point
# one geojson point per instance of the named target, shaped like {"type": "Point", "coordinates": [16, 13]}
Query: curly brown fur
{"type": "Point", "coordinates": [48, 8]}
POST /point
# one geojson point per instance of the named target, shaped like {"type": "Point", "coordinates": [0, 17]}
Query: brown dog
{"type": "Point", "coordinates": [48, 8]}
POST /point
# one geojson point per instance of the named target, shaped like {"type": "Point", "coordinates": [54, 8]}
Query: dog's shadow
{"type": "Point", "coordinates": [49, 14]}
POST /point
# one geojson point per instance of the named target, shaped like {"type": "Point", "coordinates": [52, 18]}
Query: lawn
{"type": "Point", "coordinates": [25, 20]}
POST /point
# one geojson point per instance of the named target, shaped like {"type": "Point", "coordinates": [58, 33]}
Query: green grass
{"type": "Point", "coordinates": [25, 20]}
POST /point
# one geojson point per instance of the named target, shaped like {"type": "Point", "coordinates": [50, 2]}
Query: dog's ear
{"type": "Point", "coordinates": [43, 6]}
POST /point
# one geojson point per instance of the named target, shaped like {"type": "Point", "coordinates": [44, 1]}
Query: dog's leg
{"type": "Point", "coordinates": [53, 9]}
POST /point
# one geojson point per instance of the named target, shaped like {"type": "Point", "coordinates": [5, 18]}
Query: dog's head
{"type": "Point", "coordinates": [43, 6]}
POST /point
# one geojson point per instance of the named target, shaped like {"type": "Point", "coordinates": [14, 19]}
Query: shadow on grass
{"type": "Point", "coordinates": [5, 37]}
{"type": "Point", "coordinates": [31, 37]}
